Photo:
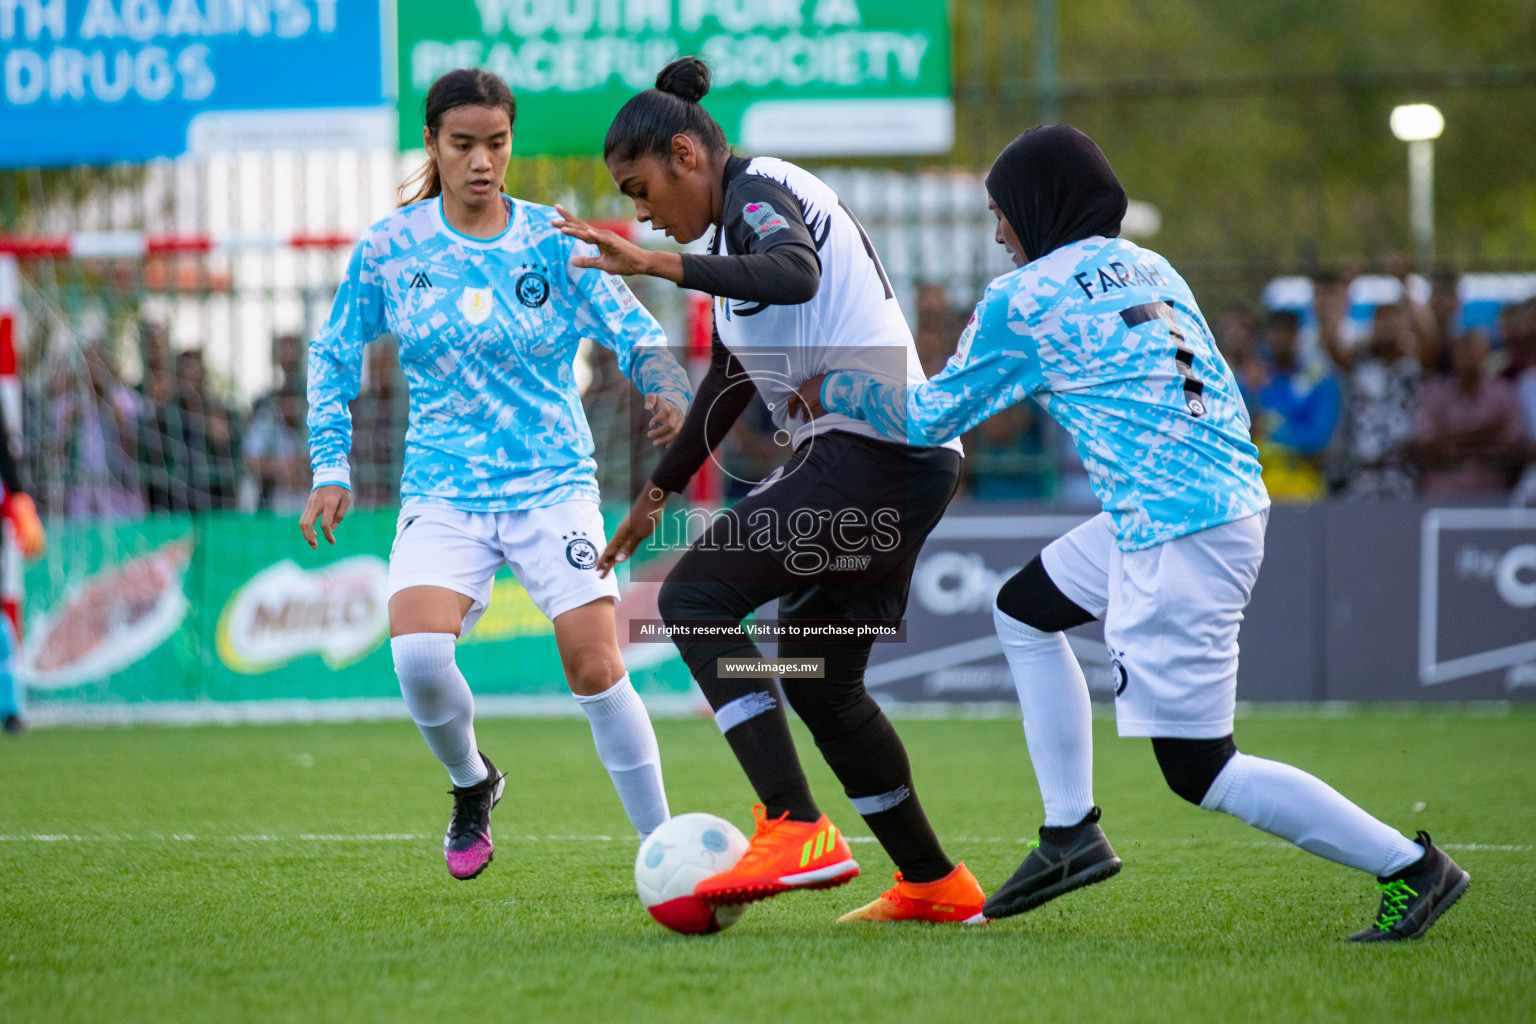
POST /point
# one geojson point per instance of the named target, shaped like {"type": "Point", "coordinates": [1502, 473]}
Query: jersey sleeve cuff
{"type": "Point", "coordinates": [333, 476]}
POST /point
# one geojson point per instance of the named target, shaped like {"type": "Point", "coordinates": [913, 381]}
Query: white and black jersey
{"type": "Point", "coordinates": [799, 291]}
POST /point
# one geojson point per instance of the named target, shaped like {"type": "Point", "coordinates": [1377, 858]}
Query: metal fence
{"type": "Point", "coordinates": [165, 312]}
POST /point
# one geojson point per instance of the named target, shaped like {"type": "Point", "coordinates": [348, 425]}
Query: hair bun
{"type": "Point", "coordinates": [687, 78]}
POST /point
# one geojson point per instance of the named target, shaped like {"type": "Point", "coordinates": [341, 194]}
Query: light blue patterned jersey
{"type": "Point", "coordinates": [1107, 337]}
{"type": "Point", "coordinates": [488, 331]}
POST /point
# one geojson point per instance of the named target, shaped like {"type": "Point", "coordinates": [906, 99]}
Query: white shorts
{"type": "Point", "coordinates": [553, 551]}
{"type": "Point", "coordinates": [1171, 614]}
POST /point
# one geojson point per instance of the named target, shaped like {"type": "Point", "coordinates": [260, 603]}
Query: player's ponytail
{"type": "Point", "coordinates": [646, 124]}
{"type": "Point", "coordinates": [465, 87]}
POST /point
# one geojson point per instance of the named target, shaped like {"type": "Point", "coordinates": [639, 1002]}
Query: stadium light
{"type": "Point", "coordinates": [1417, 122]}
{"type": "Point", "coordinates": [1419, 125]}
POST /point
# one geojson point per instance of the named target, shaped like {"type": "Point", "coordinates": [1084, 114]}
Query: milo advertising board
{"type": "Point", "coordinates": [226, 616]}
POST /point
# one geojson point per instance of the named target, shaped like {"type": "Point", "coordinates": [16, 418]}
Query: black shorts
{"type": "Point", "coordinates": [834, 533]}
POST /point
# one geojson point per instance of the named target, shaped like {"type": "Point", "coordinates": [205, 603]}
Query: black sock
{"type": "Point", "coordinates": [1063, 835]}
{"type": "Point", "coordinates": [749, 710]}
{"type": "Point", "coordinates": [755, 726]}
{"type": "Point", "coordinates": [872, 765]}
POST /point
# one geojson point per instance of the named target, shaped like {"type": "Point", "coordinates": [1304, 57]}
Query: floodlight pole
{"type": "Point", "coordinates": [1046, 82]}
{"type": "Point", "coordinates": [1421, 201]}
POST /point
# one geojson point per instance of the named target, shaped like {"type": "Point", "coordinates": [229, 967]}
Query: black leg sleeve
{"type": "Point", "coordinates": [1190, 766]}
{"type": "Point", "coordinates": [1032, 597]}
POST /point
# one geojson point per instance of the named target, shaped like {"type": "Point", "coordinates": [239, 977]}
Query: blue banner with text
{"type": "Point", "coordinates": [109, 81]}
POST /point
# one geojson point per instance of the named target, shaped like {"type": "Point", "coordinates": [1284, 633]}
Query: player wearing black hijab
{"type": "Point", "coordinates": [1053, 186]}
{"type": "Point", "coordinates": [1109, 339]}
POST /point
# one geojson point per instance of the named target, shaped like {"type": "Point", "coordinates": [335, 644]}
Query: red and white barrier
{"type": "Point", "coordinates": [120, 245]}
{"type": "Point", "coordinates": [97, 245]}
{"type": "Point", "coordinates": [12, 593]}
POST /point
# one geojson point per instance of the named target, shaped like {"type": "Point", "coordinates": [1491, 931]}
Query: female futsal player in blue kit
{"type": "Point", "coordinates": [481, 293]}
{"type": "Point", "coordinates": [1108, 338]}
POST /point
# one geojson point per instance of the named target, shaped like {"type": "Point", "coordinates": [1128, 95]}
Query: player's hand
{"type": "Point", "coordinates": [328, 505]}
{"type": "Point", "coordinates": [638, 523]}
{"type": "Point", "coordinates": [666, 421]}
{"type": "Point", "coordinates": [805, 401]}
{"type": "Point", "coordinates": [22, 512]}
{"type": "Point", "coordinates": [616, 255]}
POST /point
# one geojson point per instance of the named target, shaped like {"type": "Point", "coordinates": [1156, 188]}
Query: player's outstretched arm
{"type": "Point", "coordinates": [995, 366]}
{"type": "Point", "coordinates": [775, 262]}
{"type": "Point", "coordinates": [882, 404]}
{"type": "Point", "coordinates": [616, 254]}
{"type": "Point", "coordinates": [609, 312]}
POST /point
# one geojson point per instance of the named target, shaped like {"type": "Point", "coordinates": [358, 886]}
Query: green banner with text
{"type": "Point", "coordinates": [208, 610]}
{"type": "Point", "coordinates": [791, 77]}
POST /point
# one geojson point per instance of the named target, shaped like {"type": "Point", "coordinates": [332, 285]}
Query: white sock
{"type": "Point", "coordinates": [626, 744]}
{"type": "Point", "coordinates": [439, 701]}
{"type": "Point", "coordinates": [1287, 802]}
{"type": "Point", "coordinates": [1058, 721]}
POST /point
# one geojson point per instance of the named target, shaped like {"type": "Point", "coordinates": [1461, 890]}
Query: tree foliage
{"type": "Point", "coordinates": [1260, 129]}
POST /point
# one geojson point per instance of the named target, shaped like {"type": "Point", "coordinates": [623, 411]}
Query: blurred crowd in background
{"type": "Point", "coordinates": [1388, 400]}
{"type": "Point", "coordinates": [170, 442]}
{"type": "Point", "coordinates": [1406, 400]}
{"type": "Point", "coordinates": [1409, 399]}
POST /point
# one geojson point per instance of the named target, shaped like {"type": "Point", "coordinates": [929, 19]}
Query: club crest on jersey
{"type": "Point", "coordinates": [580, 552]}
{"type": "Point", "coordinates": [533, 289]}
{"type": "Point", "coordinates": [763, 219]}
{"type": "Point", "coordinates": [475, 304]}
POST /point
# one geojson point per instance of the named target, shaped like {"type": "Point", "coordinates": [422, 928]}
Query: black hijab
{"type": "Point", "coordinates": [1055, 187]}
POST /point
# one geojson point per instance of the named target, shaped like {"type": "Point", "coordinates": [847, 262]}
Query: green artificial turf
{"type": "Point", "coordinates": [260, 874]}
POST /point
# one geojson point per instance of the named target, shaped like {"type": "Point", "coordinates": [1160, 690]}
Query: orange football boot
{"type": "Point", "coordinates": [782, 855]}
{"type": "Point", "coordinates": [957, 897]}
